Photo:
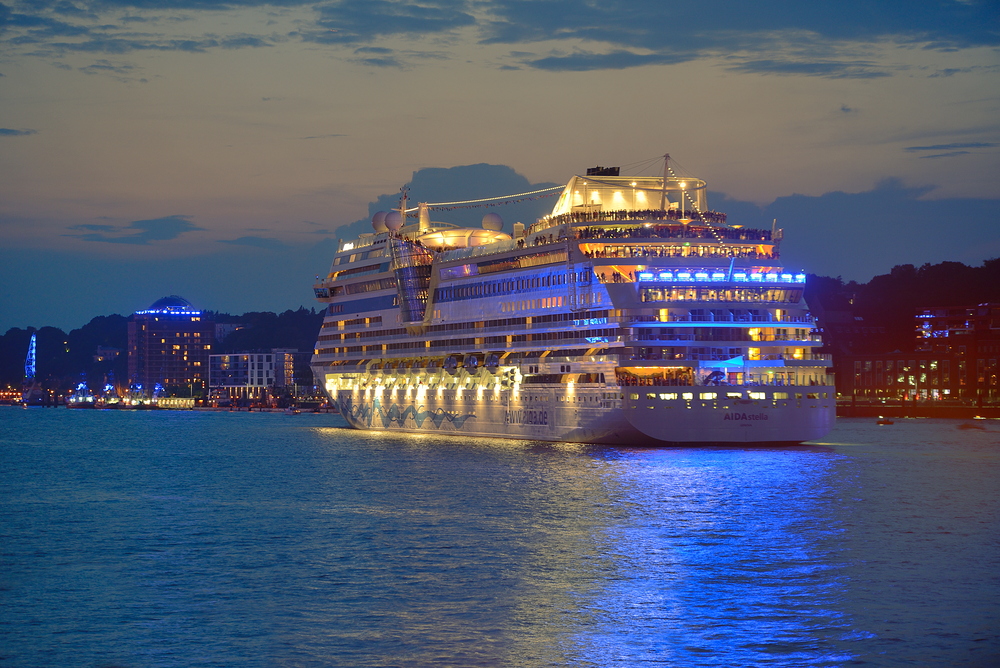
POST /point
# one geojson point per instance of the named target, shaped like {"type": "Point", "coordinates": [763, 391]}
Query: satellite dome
{"type": "Point", "coordinates": [171, 302]}
{"type": "Point", "coordinates": [378, 221]}
{"type": "Point", "coordinates": [492, 221]}
{"type": "Point", "coordinates": [393, 220]}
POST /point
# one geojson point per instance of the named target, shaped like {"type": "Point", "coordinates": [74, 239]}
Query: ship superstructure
{"type": "Point", "coordinates": [630, 314]}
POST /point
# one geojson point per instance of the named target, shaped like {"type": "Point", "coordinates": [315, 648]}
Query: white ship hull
{"type": "Point", "coordinates": [590, 416]}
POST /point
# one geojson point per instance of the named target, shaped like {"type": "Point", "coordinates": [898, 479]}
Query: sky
{"type": "Point", "coordinates": [217, 150]}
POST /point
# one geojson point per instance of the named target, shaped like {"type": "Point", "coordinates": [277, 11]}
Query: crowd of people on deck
{"type": "Point", "coordinates": [677, 251]}
{"type": "Point", "coordinates": [668, 231]}
{"type": "Point", "coordinates": [711, 217]}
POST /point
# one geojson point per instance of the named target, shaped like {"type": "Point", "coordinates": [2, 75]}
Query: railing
{"type": "Point", "coordinates": [768, 318]}
{"type": "Point", "coordinates": [639, 252]}
{"type": "Point", "coordinates": [477, 251]}
{"type": "Point", "coordinates": [703, 338]}
{"type": "Point", "coordinates": [717, 357]}
{"type": "Point", "coordinates": [634, 215]}
{"type": "Point", "coordinates": [722, 387]}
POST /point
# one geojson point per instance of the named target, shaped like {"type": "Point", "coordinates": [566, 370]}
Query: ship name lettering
{"type": "Point", "coordinates": [526, 417]}
{"type": "Point", "coordinates": [745, 417]}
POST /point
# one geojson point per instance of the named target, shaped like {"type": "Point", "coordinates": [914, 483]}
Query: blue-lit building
{"type": "Point", "coordinates": [169, 343]}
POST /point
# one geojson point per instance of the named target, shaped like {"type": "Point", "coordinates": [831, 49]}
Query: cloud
{"type": "Point", "coordinates": [822, 232]}
{"type": "Point", "coordinates": [118, 45]}
{"type": "Point", "coordinates": [946, 155]}
{"type": "Point", "coordinates": [829, 69]}
{"type": "Point", "coordinates": [118, 71]}
{"type": "Point", "coordinates": [359, 21]}
{"type": "Point", "coordinates": [139, 232]}
{"type": "Point", "coordinates": [466, 182]}
{"type": "Point", "coordinates": [947, 147]}
{"type": "Point", "coordinates": [8, 132]}
{"type": "Point", "coordinates": [94, 228]}
{"type": "Point", "coordinates": [256, 242]}
{"type": "Point", "coordinates": [391, 61]}
{"type": "Point", "coordinates": [617, 60]}
{"type": "Point", "coordinates": [712, 24]}
{"type": "Point", "coordinates": [243, 42]}
{"type": "Point", "coordinates": [609, 35]}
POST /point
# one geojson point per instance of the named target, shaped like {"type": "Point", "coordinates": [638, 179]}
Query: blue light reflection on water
{"type": "Point", "coordinates": [189, 539]}
{"type": "Point", "coordinates": [724, 558]}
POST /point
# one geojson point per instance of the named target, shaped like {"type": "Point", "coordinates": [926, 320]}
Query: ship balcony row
{"type": "Point", "coordinates": [753, 356]}
{"type": "Point", "coordinates": [731, 337]}
{"type": "Point", "coordinates": [722, 316]}
{"type": "Point", "coordinates": [359, 329]}
{"type": "Point", "coordinates": [619, 251]}
{"type": "Point", "coordinates": [718, 277]}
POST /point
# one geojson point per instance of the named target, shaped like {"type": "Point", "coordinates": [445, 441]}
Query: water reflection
{"type": "Point", "coordinates": [720, 557]}
{"type": "Point", "coordinates": [588, 555]}
{"type": "Point", "coordinates": [184, 539]}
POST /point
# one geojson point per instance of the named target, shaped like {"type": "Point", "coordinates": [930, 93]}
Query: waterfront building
{"type": "Point", "coordinates": [955, 356]}
{"type": "Point", "coordinates": [256, 375]}
{"type": "Point", "coordinates": [169, 344]}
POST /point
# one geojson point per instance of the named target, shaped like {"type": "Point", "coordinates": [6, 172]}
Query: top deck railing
{"type": "Point", "coordinates": [691, 221]}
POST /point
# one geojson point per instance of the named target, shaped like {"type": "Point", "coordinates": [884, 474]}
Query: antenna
{"type": "Point", "coordinates": [402, 203]}
{"type": "Point", "coordinates": [666, 173]}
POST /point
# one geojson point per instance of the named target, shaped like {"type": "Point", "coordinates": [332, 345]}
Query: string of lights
{"type": "Point", "coordinates": [494, 201]}
{"type": "Point", "coordinates": [694, 207]}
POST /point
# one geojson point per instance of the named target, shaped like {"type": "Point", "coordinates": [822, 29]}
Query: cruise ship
{"type": "Point", "coordinates": [632, 314]}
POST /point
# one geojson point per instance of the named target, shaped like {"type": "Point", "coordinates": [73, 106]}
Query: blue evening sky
{"type": "Point", "coordinates": [217, 150]}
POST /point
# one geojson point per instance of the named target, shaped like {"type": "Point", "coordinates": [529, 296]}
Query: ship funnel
{"type": "Point", "coordinates": [423, 216]}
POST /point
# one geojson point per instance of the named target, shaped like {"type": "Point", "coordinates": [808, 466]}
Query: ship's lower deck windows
{"type": "Point", "coordinates": [707, 294]}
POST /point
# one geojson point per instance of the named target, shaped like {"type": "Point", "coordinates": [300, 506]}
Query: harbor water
{"type": "Point", "coordinates": [183, 538]}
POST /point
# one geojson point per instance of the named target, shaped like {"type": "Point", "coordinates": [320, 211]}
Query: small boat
{"type": "Point", "coordinates": [292, 411]}
{"type": "Point", "coordinates": [882, 420]}
{"type": "Point", "coordinates": [82, 397]}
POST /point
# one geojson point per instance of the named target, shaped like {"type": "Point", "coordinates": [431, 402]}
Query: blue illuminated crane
{"type": "Point", "coordinates": [29, 361]}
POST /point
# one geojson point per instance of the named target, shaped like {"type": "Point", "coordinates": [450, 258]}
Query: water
{"type": "Point", "coordinates": [167, 539]}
